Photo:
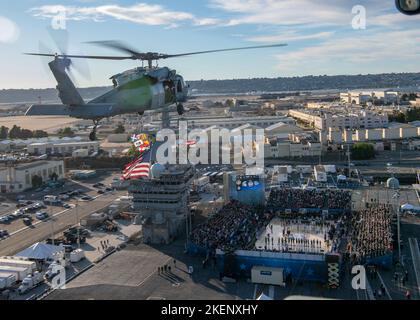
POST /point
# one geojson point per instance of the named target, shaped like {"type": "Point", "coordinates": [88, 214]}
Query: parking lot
{"type": "Point", "coordinates": [57, 207]}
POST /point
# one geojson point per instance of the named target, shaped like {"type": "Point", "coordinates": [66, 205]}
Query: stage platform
{"type": "Point", "coordinates": [297, 236]}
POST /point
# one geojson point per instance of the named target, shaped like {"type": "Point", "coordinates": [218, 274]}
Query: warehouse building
{"type": "Point", "coordinates": [18, 178]}
{"type": "Point", "coordinates": [62, 148]}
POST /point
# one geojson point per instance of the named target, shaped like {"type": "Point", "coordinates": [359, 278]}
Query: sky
{"type": "Point", "coordinates": [323, 37]}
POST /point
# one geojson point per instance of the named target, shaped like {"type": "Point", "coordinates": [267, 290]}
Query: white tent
{"type": "Point", "coordinates": [40, 251]}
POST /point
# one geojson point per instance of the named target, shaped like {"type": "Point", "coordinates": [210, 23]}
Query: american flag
{"type": "Point", "coordinates": [139, 168]}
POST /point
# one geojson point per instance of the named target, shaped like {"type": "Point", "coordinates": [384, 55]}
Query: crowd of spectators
{"type": "Point", "coordinates": [303, 198]}
{"type": "Point", "coordinates": [233, 227]}
{"type": "Point", "coordinates": [370, 233]}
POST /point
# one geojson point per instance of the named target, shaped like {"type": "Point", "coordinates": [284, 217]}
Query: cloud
{"type": "Point", "coordinates": [309, 12]}
{"type": "Point", "coordinates": [140, 13]}
{"type": "Point", "coordinates": [9, 31]}
{"type": "Point", "coordinates": [285, 12]}
{"type": "Point", "coordinates": [357, 53]}
{"type": "Point", "coordinates": [291, 36]}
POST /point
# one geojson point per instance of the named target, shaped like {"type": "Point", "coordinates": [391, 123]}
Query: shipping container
{"type": "Point", "coordinates": [7, 280]}
{"type": "Point", "coordinates": [19, 272]}
{"type": "Point", "coordinates": [16, 262]}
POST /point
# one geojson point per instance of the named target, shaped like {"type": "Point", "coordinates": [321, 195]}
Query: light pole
{"type": "Point", "coordinates": [77, 223]}
{"type": "Point", "coordinates": [52, 226]}
{"type": "Point", "coordinates": [396, 197]}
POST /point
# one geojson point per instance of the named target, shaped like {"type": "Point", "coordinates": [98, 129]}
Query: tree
{"type": "Point", "coordinates": [398, 117]}
{"type": "Point", "coordinates": [119, 129]}
{"type": "Point", "coordinates": [26, 134]}
{"type": "Point", "coordinates": [230, 103]}
{"type": "Point", "coordinates": [36, 181]}
{"type": "Point", "coordinates": [412, 96]}
{"type": "Point", "coordinates": [4, 132]}
{"type": "Point", "coordinates": [362, 151]}
{"type": "Point", "coordinates": [66, 132]}
{"type": "Point", "coordinates": [413, 114]}
{"type": "Point", "coordinates": [15, 132]}
{"type": "Point", "coordinates": [39, 134]}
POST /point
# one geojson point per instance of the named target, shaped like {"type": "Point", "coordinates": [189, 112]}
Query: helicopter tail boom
{"type": "Point", "coordinates": [88, 111]}
{"type": "Point", "coordinates": [67, 91]}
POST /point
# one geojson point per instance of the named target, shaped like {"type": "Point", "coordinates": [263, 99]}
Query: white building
{"type": "Point", "coordinates": [63, 148]}
{"type": "Point", "coordinates": [341, 118]}
{"type": "Point", "coordinates": [287, 149]}
{"type": "Point", "coordinates": [359, 98]}
{"type": "Point", "coordinates": [17, 178]}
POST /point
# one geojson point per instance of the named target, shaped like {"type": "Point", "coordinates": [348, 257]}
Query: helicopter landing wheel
{"type": "Point", "coordinates": [180, 109]}
{"type": "Point", "coordinates": [92, 136]}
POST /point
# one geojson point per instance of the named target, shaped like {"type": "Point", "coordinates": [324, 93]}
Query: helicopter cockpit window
{"type": "Point", "coordinates": [168, 87]}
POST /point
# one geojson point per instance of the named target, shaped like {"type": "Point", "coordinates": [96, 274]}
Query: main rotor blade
{"type": "Point", "coordinates": [117, 45]}
{"type": "Point", "coordinates": [165, 56]}
{"type": "Point", "coordinates": [156, 56]}
{"type": "Point", "coordinates": [81, 56]}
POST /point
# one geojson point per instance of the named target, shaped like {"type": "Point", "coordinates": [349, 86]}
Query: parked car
{"type": "Point", "coordinates": [64, 197]}
{"type": "Point", "coordinates": [39, 205]}
{"type": "Point", "coordinates": [4, 219]}
{"type": "Point", "coordinates": [27, 221]}
{"type": "Point", "coordinates": [86, 198]}
{"type": "Point", "coordinates": [18, 213]}
{"type": "Point", "coordinates": [100, 191]}
{"type": "Point", "coordinates": [66, 206]}
{"type": "Point", "coordinates": [4, 233]}
{"type": "Point", "coordinates": [41, 215]}
{"type": "Point", "coordinates": [98, 185]}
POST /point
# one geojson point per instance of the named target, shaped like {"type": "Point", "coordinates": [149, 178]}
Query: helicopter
{"type": "Point", "coordinates": [136, 90]}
